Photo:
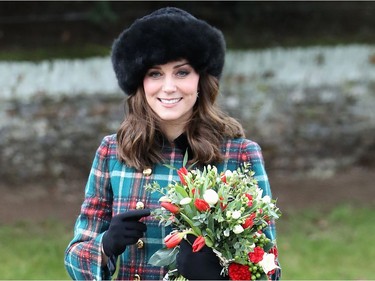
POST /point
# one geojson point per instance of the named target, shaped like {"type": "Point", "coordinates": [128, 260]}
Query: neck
{"type": "Point", "coordinates": [173, 131]}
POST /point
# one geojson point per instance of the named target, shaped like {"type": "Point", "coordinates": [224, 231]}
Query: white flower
{"type": "Point", "coordinates": [165, 199]}
{"type": "Point", "coordinates": [268, 262]}
{"type": "Point", "coordinates": [266, 199]}
{"type": "Point", "coordinates": [228, 173]}
{"type": "Point", "coordinates": [211, 197]}
{"type": "Point", "coordinates": [229, 214]}
{"type": "Point", "coordinates": [226, 232]}
{"type": "Point", "coordinates": [236, 214]}
{"type": "Point", "coordinates": [185, 201]}
{"type": "Point", "coordinates": [237, 229]}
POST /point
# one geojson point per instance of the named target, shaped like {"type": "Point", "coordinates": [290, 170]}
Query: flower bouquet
{"type": "Point", "coordinates": [225, 211]}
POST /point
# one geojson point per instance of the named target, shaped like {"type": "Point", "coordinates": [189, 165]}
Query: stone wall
{"type": "Point", "coordinates": [311, 110]}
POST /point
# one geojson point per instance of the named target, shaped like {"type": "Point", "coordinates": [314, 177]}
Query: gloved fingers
{"type": "Point", "coordinates": [189, 265]}
{"type": "Point", "coordinates": [135, 225]}
{"type": "Point", "coordinates": [130, 240]}
{"type": "Point", "coordinates": [135, 215]}
{"type": "Point", "coordinates": [131, 236]}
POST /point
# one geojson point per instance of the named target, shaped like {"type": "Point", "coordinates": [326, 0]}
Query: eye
{"type": "Point", "coordinates": [182, 73]}
{"type": "Point", "coordinates": [154, 74]}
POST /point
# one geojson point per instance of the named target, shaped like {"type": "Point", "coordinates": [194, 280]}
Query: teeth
{"type": "Point", "coordinates": [169, 101]}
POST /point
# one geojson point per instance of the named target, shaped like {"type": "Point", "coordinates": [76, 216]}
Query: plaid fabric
{"type": "Point", "coordinates": [114, 188]}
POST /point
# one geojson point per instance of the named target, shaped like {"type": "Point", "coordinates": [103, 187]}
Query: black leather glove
{"type": "Point", "coordinates": [201, 265]}
{"type": "Point", "coordinates": [125, 229]}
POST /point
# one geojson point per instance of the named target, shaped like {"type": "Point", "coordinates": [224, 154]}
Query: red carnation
{"type": "Point", "coordinates": [257, 255]}
{"type": "Point", "coordinates": [201, 205]}
{"type": "Point", "coordinates": [182, 172]}
{"type": "Point", "coordinates": [238, 271]}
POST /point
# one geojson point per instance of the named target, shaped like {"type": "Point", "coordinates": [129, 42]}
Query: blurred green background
{"type": "Point", "coordinates": [326, 229]}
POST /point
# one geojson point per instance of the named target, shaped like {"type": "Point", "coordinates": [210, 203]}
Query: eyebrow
{"type": "Point", "coordinates": [182, 64]}
{"type": "Point", "coordinates": [176, 66]}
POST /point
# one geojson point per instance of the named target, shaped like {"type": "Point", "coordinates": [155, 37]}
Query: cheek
{"type": "Point", "coordinates": [150, 87]}
{"type": "Point", "coordinates": [192, 86]}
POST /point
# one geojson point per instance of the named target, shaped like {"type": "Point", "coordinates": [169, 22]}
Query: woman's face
{"type": "Point", "coordinates": [171, 91]}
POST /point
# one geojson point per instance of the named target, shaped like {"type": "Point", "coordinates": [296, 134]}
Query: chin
{"type": "Point", "coordinates": [168, 118]}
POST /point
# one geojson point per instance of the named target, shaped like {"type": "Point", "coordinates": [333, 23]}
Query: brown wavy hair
{"type": "Point", "coordinates": [208, 127]}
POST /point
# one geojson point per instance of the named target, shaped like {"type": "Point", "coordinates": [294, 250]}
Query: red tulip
{"type": "Point", "coordinates": [173, 239]}
{"type": "Point", "coordinates": [170, 207]}
{"type": "Point", "coordinates": [250, 197]}
{"type": "Point", "coordinates": [201, 205]}
{"type": "Point", "coordinates": [222, 205]}
{"type": "Point", "coordinates": [182, 172]}
{"type": "Point", "coordinates": [198, 244]}
{"type": "Point", "coordinates": [223, 178]}
{"type": "Point", "coordinates": [249, 222]}
{"type": "Point", "coordinates": [193, 190]}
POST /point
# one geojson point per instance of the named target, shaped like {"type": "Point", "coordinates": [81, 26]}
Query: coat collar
{"type": "Point", "coordinates": [181, 143]}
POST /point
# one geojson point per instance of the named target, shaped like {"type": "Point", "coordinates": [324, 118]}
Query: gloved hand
{"type": "Point", "coordinates": [201, 265]}
{"type": "Point", "coordinates": [125, 229]}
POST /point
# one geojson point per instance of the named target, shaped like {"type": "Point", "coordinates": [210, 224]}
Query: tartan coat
{"type": "Point", "coordinates": [113, 187]}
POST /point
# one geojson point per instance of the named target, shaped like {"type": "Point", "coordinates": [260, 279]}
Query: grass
{"type": "Point", "coordinates": [313, 245]}
{"type": "Point", "coordinates": [30, 251]}
{"type": "Point", "coordinates": [337, 245]}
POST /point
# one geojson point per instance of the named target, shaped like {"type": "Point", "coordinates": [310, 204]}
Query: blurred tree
{"type": "Point", "coordinates": [102, 13]}
{"type": "Point", "coordinates": [246, 24]}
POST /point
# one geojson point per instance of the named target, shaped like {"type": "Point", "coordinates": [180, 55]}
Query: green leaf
{"type": "Point", "coordinates": [186, 157]}
{"type": "Point", "coordinates": [211, 224]}
{"type": "Point", "coordinates": [208, 241]}
{"type": "Point", "coordinates": [170, 167]}
{"type": "Point", "coordinates": [181, 191]}
{"type": "Point", "coordinates": [268, 246]}
{"type": "Point", "coordinates": [190, 222]}
{"type": "Point", "coordinates": [163, 257]}
{"type": "Point", "coordinates": [192, 165]}
{"type": "Point", "coordinates": [263, 277]}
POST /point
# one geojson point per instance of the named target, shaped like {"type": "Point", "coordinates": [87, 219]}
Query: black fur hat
{"type": "Point", "coordinates": [163, 36]}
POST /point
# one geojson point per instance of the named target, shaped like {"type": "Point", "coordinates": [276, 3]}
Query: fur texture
{"type": "Point", "coordinates": [163, 36]}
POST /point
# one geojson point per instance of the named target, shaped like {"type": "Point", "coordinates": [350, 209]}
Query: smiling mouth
{"type": "Point", "coordinates": [170, 101]}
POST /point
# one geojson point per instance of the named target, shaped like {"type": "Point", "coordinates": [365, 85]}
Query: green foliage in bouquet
{"type": "Point", "coordinates": [227, 212]}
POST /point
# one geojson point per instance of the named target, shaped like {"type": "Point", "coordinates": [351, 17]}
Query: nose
{"type": "Point", "coordinates": [169, 85]}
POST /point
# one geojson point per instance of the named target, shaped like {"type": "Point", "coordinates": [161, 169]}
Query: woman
{"type": "Point", "coordinates": [169, 64]}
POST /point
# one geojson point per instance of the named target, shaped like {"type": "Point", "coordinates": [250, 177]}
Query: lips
{"type": "Point", "coordinates": [169, 101]}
